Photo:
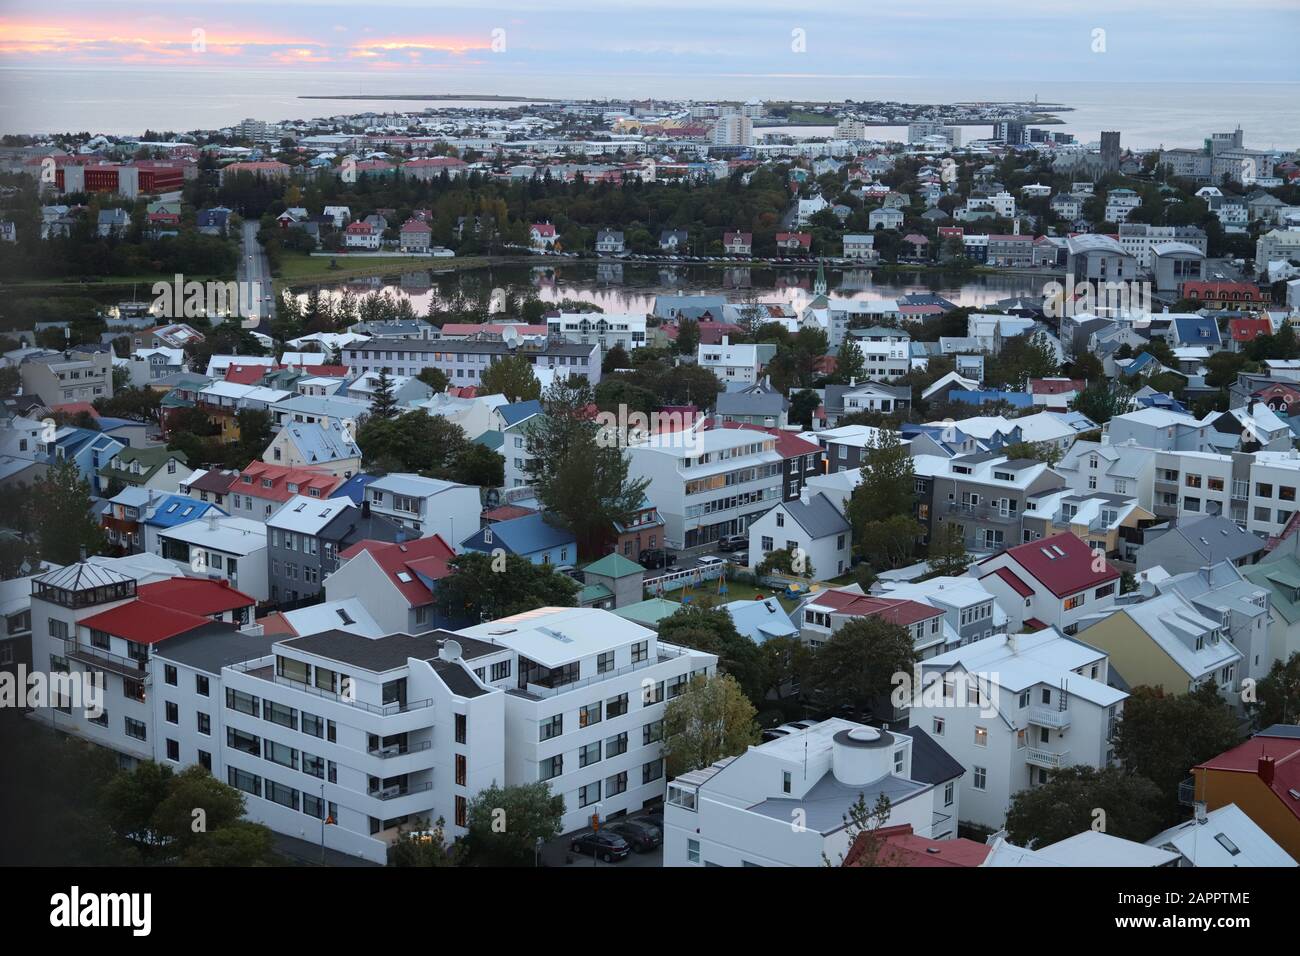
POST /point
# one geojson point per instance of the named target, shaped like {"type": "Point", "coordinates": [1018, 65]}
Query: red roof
{"type": "Point", "coordinates": [1232, 291]}
{"type": "Point", "coordinates": [543, 229]}
{"type": "Point", "coordinates": [144, 622]}
{"type": "Point", "coordinates": [1261, 755]}
{"type": "Point", "coordinates": [1061, 563]}
{"type": "Point", "coordinates": [1012, 580]}
{"type": "Point", "coordinates": [901, 847]}
{"type": "Point", "coordinates": [195, 595]}
{"type": "Point", "coordinates": [788, 444]}
{"type": "Point", "coordinates": [894, 610]}
{"type": "Point", "coordinates": [1055, 386]}
{"type": "Point", "coordinates": [801, 238]}
{"type": "Point", "coordinates": [1247, 330]}
{"type": "Point", "coordinates": [249, 374]}
{"type": "Point", "coordinates": [422, 557]}
{"type": "Point", "coordinates": [506, 512]}
{"type": "Point", "coordinates": [415, 225]}
{"type": "Point", "coordinates": [74, 408]}
{"type": "Point", "coordinates": [281, 476]}
{"type": "Point", "coordinates": [1033, 623]}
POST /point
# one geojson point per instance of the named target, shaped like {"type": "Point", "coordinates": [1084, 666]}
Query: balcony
{"type": "Point", "coordinates": [264, 671]}
{"type": "Point", "coordinates": [398, 790]}
{"type": "Point", "coordinates": [96, 659]}
{"type": "Point", "coordinates": [1047, 717]}
{"type": "Point", "coordinates": [983, 512]}
{"type": "Point", "coordinates": [1048, 759]}
{"type": "Point", "coordinates": [399, 750]}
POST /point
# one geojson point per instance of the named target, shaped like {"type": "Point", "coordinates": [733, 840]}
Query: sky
{"type": "Point", "coordinates": [464, 40]}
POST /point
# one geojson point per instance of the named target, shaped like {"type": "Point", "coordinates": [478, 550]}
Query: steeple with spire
{"type": "Point", "coordinates": [819, 286]}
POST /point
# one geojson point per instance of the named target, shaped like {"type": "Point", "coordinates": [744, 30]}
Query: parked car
{"type": "Point", "coordinates": [740, 558]}
{"type": "Point", "coordinates": [641, 836]}
{"type": "Point", "coordinates": [733, 542]}
{"type": "Point", "coordinates": [603, 844]}
{"type": "Point", "coordinates": [655, 818]}
{"type": "Point", "coordinates": [653, 558]}
{"type": "Point", "coordinates": [709, 560]}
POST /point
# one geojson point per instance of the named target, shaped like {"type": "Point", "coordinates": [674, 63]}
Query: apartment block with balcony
{"type": "Point", "coordinates": [464, 362]}
{"type": "Point", "coordinates": [985, 495]}
{"type": "Point", "coordinates": [1012, 709]}
{"type": "Point", "coordinates": [1110, 523]}
{"type": "Point", "coordinates": [426, 506]}
{"type": "Point", "coordinates": [709, 483]}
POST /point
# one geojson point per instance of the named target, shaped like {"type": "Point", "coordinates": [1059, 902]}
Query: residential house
{"type": "Point", "coordinates": [1261, 777]}
{"type": "Point", "coordinates": [1051, 582]}
{"type": "Point", "coordinates": [812, 528]}
{"type": "Point", "coordinates": [326, 447]}
{"type": "Point", "coordinates": [425, 506]}
{"type": "Point", "coordinates": [532, 536]}
{"type": "Point", "coordinates": [221, 547]}
{"type": "Point", "coordinates": [305, 538]}
{"type": "Point", "coordinates": [157, 467]}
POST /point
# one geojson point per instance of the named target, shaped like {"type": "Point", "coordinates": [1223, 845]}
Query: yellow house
{"type": "Point", "coordinates": [1164, 642]}
{"type": "Point", "coordinates": [1262, 777]}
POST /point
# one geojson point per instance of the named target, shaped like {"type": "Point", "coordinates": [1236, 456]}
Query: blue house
{"type": "Point", "coordinates": [530, 537]}
{"type": "Point", "coordinates": [1197, 330]}
{"type": "Point", "coordinates": [170, 511]}
{"type": "Point", "coordinates": [89, 450]}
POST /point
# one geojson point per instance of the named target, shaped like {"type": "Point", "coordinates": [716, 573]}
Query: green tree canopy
{"type": "Point", "coordinates": [708, 721]}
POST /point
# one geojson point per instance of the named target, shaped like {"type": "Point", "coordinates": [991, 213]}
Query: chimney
{"type": "Point", "coordinates": [82, 553]}
{"type": "Point", "coordinates": [212, 521]}
{"type": "Point", "coordinates": [1012, 643]}
{"type": "Point", "coordinates": [1265, 770]}
{"type": "Point", "coordinates": [365, 508]}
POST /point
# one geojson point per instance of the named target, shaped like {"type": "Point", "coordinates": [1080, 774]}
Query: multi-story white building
{"type": "Point", "coordinates": [220, 546]}
{"type": "Point", "coordinates": [427, 506]}
{"type": "Point", "coordinates": [732, 363]}
{"type": "Point", "coordinates": [1137, 238]}
{"type": "Point", "coordinates": [1012, 709]}
{"type": "Point", "coordinates": [603, 328]}
{"type": "Point", "coordinates": [788, 802]}
{"type": "Point", "coordinates": [707, 484]}
{"type": "Point", "coordinates": [1273, 486]}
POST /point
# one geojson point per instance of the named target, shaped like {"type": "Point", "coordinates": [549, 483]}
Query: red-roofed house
{"type": "Point", "coordinates": [249, 374]}
{"type": "Point", "coordinates": [899, 846]}
{"type": "Point", "coordinates": [711, 332]}
{"type": "Point", "coordinates": [416, 236]}
{"type": "Point", "coordinates": [737, 243]}
{"type": "Point", "coordinates": [395, 582]}
{"type": "Point", "coordinates": [826, 612]}
{"type": "Point", "coordinates": [1225, 295]}
{"type": "Point", "coordinates": [262, 487]}
{"type": "Point", "coordinates": [361, 235]}
{"type": "Point", "coordinates": [1262, 777]}
{"type": "Point", "coordinates": [1281, 397]}
{"type": "Point", "coordinates": [794, 241]}
{"type": "Point", "coordinates": [542, 235]}
{"type": "Point", "coordinates": [1057, 580]}
{"type": "Point", "coordinates": [1055, 394]}
{"type": "Point", "coordinates": [1244, 331]}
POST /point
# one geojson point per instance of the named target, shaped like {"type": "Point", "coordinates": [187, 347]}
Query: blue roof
{"type": "Point", "coordinates": [516, 412]}
{"type": "Point", "coordinates": [760, 620]}
{"type": "Point", "coordinates": [178, 509]}
{"type": "Point", "coordinates": [522, 536]}
{"type": "Point", "coordinates": [1141, 360]}
{"type": "Point", "coordinates": [1197, 331]}
{"type": "Point", "coordinates": [354, 487]}
{"type": "Point", "coordinates": [1014, 399]}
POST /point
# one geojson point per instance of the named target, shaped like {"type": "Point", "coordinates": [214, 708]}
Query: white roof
{"type": "Point", "coordinates": [231, 535]}
{"type": "Point", "coordinates": [1170, 621]}
{"type": "Point", "coordinates": [347, 615]}
{"type": "Point", "coordinates": [1227, 838]}
{"type": "Point", "coordinates": [308, 515]}
{"type": "Point", "coordinates": [1092, 848]}
{"type": "Point", "coordinates": [1024, 660]}
{"type": "Point", "coordinates": [553, 636]}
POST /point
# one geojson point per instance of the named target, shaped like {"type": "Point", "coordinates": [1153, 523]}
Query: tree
{"type": "Point", "coordinates": [1278, 694]}
{"type": "Point", "coordinates": [888, 485]}
{"type": "Point", "coordinates": [64, 524]}
{"type": "Point", "coordinates": [789, 561]}
{"type": "Point", "coordinates": [1079, 798]}
{"type": "Point", "coordinates": [856, 667]}
{"type": "Point", "coordinates": [850, 365]}
{"type": "Point", "coordinates": [419, 844]}
{"type": "Point", "coordinates": [412, 441]}
{"type": "Point", "coordinates": [948, 554]}
{"type": "Point", "coordinates": [578, 471]}
{"type": "Point", "coordinates": [712, 630]}
{"type": "Point", "coordinates": [708, 721]}
{"type": "Point", "coordinates": [506, 823]}
{"type": "Point", "coordinates": [434, 377]}
{"type": "Point", "coordinates": [615, 358]}
{"type": "Point", "coordinates": [478, 465]}
{"type": "Point", "coordinates": [688, 336]}
{"type": "Point", "coordinates": [862, 826]}
{"type": "Point", "coordinates": [803, 404]}
{"type": "Point", "coordinates": [1044, 451]}
{"type": "Point", "coordinates": [1103, 400]}
{"type": "Point", "coordinates": [484, 587]}
{"type": "Point", "coordinates": [785, 660]}
{"type": "Point", "coordinates": [383, 404]}
{"type": "Point", "coordinates": [242, 843]}
{"type": "Point", "coordinates": [1162, 736]}
{"type": "Point", "coordinates": [511, 376]}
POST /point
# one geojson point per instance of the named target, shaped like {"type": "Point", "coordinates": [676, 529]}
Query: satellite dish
{"type": "Point", "coordinates": [510, 336]}
{"type": "Point", "coordinates": [450, 650]}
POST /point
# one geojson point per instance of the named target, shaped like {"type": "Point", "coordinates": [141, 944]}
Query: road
{"type": "Point", "coordinates": [254, 268]}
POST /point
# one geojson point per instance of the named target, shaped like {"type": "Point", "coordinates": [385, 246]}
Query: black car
{"type": "Point", "coordinates": [653, 558]}
{"type": "Point", "coordinates": [608, 846]}
{"type": "Point", "coordinates": [655, 818]}
{"type": "Point", "coordinates": [641, 835]}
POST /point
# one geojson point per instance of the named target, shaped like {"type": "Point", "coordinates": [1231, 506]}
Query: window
{"type": "Point", "coordinates": [461, 728]}
{"type": "Point", "coordinates": [204, 724]}
{"type": "Point", "coordinates": [551, 767]}
{"type": "Point", "coordinates": [616, 784]}
{"type": "Point", "coordinates": [282, 754]}
{"type": "Point", "coordinates": [640, 652]}
{"type": "Point", "coordinates": [205, 760]}
{"type": "Point", "coordinates": [616, 746]}
{"type": "Point", "coordinates": [652, 732]}
{"type": "Point", "coordinates": [313, 766]}
{"type": "Point", "coordinates": [244, 742]}
{"type": "Point", "coordinates": [172, 713]}
{"type": "Point", "coordinates": [201, 685]}
{"type": "Point", "coordinates": [173, 750]}
{"type": "Point", "coordinates": [280, 714]}
{"type": "Point", "coordinates": [462, 811]}
{"type": "Point", "coordinates": [653, 770]}
{"type": "Point", "coordinates": [981, 777]}
{"type": "Point", "coordinates": [237, 700]}
{"type": "Point", "coordinates": [899, 761]}
{"type": "Point", "coordinates": [279, 793]}
{"type": "Point", "coordinates": [693, 851]}
{"type": "Point", "coordinates": [590, 714]}
{"type": "Point", "coordinates": [501, 670]}
{"type": "Point", "coordinates": [616, 706]}
{"type": "Point", "coordinates": [605, 662]}
{"type": "Point", "coordinates": [1074, 601]}
{"type": "Point", "coordinates": [462, 770]}
{"type": "Point", "coordinates": [937, 726]}
{"type": "Point", "coordinates": [652, 693]}
{"type": "Point", "coordinates": [169, 674]}
{"type": "Point", "coordinates": [135, 729]}
{"type": "Point", "coordinates": [981, 737]}
{"type": "Point", "coordinates": [551, 727]}
{"type": "Point", "coordinates": [785, 781]}
{"type": "Point", "coordinates": [589, 754]}
{"type": "Point", "coordinates": [242, 780]}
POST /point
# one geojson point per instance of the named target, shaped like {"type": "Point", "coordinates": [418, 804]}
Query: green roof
{"type": "Point", "coordinates": [491, 439]}
{"type": "Point", "coordinates": [614, 566]}
{"type": "Point", "coordinates": [1282, 578]}
{"type": "Point", "coordinates": [649, 612]}
{"type": "Point", "coordinates": [593, 593]}
{"type": "Point", "coordinates": [150, 459]}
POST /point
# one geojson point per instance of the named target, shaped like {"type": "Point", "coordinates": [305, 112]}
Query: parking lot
{"type": "Point", "coordinates": [558, 853]}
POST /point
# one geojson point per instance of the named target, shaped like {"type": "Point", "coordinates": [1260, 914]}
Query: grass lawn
{"type": "Point", "coordinates": [707, 593]}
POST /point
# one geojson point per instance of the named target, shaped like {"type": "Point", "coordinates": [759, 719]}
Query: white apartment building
{"type": "Point", "coordinates": [427, 506]}
{"type": "Point", "coordinates": [784, 803]}
{"type": "Point", "coordinates": [606, 329]}
{"type": "Point", "coordinates": [1137, 238]}
{"type": "Point", "coordinates": [1119, 203]}
{"type": "Point", "coordinates": [1012, 709]}
{"type": "Point", "coordinates": [707, 484]}
{"type": "Point", "coordinates": [223, 547]}
{"type": "Point", "coordinates": [731, 363]}
{"type": "Point", "coordinates": [885, 360]}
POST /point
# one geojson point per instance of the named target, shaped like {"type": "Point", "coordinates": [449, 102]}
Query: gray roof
{"type": "Point", "coordinates": [827, 802]}
{"type": "Point", "coordinates": [382, 654]}
{"type": "Point", "coordinates": [817, 516]}
{"type": "Point", "coordinates": [82, 576]}
{"type": "Point", "coordinates": [1218, 539]}
{"type": "Point", "coordinates": [212, 646]}
{"type": "Point", "coordinates": [931, 763]}
{"type": "Point", "coordinates": [752, 403]}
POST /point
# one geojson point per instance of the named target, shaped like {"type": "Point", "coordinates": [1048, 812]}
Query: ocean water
{"type": "Point", "coordinates": [127, 101]}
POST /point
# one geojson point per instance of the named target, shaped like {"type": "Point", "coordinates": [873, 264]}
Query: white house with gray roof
{"type": "Point", "coordinates": [812, 524]}
{"type": "Point", "coordinates": [427, 506]}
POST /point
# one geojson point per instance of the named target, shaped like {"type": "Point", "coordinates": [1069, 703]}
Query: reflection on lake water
{"type": "Point", "coordinates": [632, 287]}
